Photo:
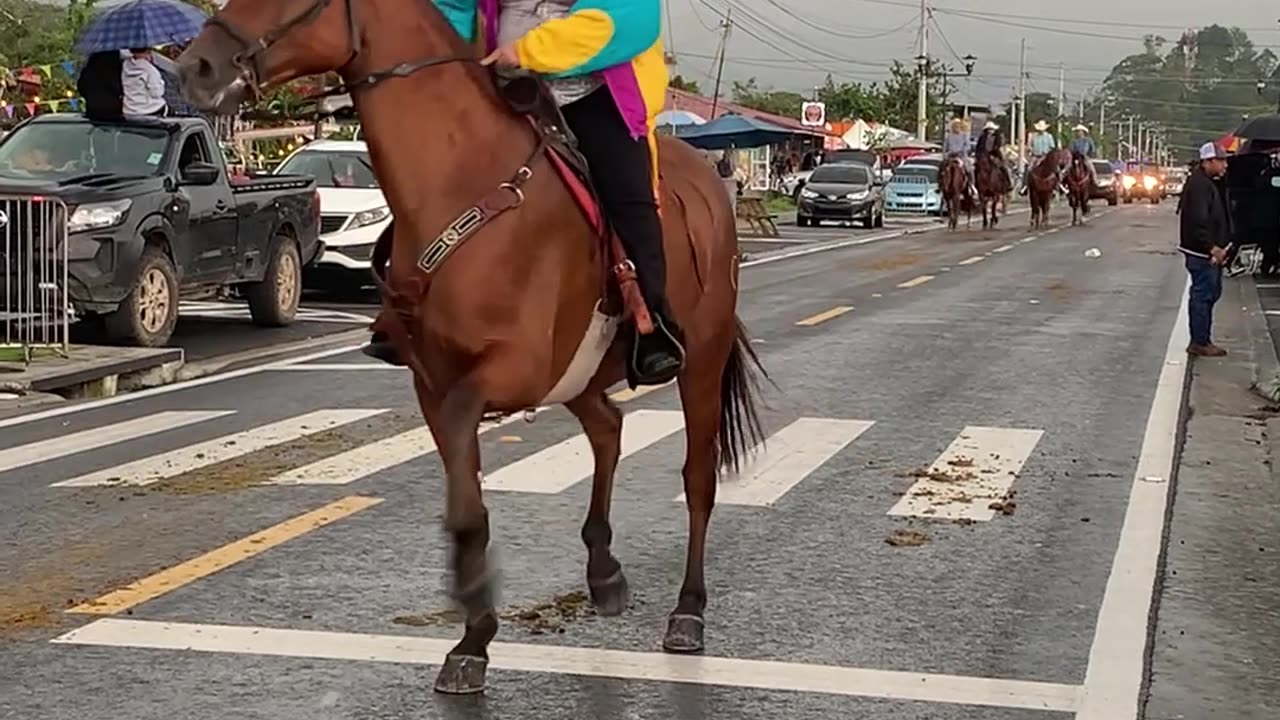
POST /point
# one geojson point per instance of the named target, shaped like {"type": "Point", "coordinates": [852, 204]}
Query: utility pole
{"type": "Point", "coordinates": [1020, 119]}
{"type": "Point", "coordinates": [1062, 95]}
{"type": "Point", "coordinates": [922, 62]}
{"type": "Point", "coordinates": [727, 25]}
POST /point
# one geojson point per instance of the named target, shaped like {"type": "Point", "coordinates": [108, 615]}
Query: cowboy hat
{"type": "Point", "coordinates": [1041, 125]}
{"type": "Point", "coordinates": [1081, 128]}
{"type": "Point", "coordinates": [957, 122]}
{"type": "Point", "coordinates": [991, 125]}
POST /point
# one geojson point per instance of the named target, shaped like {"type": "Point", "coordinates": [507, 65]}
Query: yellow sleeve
{"type": "Point", "coordinates": [562, 44]}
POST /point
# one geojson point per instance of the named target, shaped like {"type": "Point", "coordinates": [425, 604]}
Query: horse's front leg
{"type": "Point", "coordinates": [454, 424]}
{"type": "Point", "coordinates": [602, 422]}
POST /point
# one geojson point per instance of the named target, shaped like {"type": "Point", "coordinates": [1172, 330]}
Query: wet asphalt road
{"type": "Point", "coordinates": [1037, 362]}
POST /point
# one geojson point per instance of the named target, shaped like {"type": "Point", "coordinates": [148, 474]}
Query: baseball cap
{"type": "Point", "coordinates": [1210, 151]}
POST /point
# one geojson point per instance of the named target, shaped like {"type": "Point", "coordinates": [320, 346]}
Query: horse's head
{"type": "Point", "coordinates": [250, 44]}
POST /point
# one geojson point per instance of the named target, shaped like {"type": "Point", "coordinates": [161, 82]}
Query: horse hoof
{"type": "Point", "coordinates": [684, 634]}
{"type": "Point", "coordinates": [462, 675]}
{"type": "Point", "coordinates": [610, 596]}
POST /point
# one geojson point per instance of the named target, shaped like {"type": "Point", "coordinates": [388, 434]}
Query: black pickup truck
{"type": "Point", "coordinates": [152, 217]}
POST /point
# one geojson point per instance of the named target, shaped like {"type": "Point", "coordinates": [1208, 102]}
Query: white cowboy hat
{"type": "Point", "coordinates": [991, 125]}
{"type": "Point", "coordinates": [957, 122]}
{"type": "Point", "coordinates": [1081, 128]}
{"type": "Point", "coordinates": [1041, 125]}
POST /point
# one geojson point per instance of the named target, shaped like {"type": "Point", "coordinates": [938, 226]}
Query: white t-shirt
{"type": "Point", "coordinates": [143, 86]}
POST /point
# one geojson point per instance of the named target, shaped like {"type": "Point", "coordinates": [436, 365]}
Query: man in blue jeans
{"type": "Point", "coordinates": [1205, 230]}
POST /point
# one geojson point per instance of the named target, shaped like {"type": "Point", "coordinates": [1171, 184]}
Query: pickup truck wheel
{"type": "Point", "coordinates": [148, 314]}
{"type": "Point", "coordinates": [273, 302]}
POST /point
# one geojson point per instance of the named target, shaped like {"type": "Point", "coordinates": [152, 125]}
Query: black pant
{"type": "Point", "coordinates": [621, 170]}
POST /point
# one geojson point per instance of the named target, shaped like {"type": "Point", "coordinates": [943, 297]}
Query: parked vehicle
{"type": "Point", "coordinates": [913, 189]}
{"type": "Point", "coordinates": [153, 218]}
{"type": "Point", "coordinates": [842, 192]}
{"type": "Point", "coordinates": [1175, 180]}
{"type": "Point", "coordinates": [1140, 183]}
{"type": "Point", "coordinates": [1108, 185]}
{"type": "Point", "coordinates": [354, 210]}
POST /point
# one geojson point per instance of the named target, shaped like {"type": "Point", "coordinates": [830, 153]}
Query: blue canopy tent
{"type": "Point", "coordinates": [737, 131]}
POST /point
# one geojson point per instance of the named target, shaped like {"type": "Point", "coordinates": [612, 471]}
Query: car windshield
{"type": "Point", "coordinates": [1102, 166]}
{"type": "Point", "coordinates": [850, 156]}
{"type": "Point", "coordinates": [59, 151]}
{"type": "Point", "coordinates": [923, 171]}
{"type": "Point", "coordinates": [333, 168]}
{"type": "Point", "coordinates": [842, 174]}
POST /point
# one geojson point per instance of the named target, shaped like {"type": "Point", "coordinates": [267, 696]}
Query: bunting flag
{"type": "Point", "coordinates": [68, 67]}
{"type": "Point", "coordinates": [8, 111]}
{"type": "Point", "coordinates": [31, 108]}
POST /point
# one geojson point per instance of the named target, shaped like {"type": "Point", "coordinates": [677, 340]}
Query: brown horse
{"type": "Point", "coordinates": [497, 279]}
{"type": "Point", "coordinates": [1042, 182]}
{"type": "Point", "coordinates": [992, 186]}
{"type": "Point", "coordinates": [953, 183]}
{"type": "Point", "coordinates": [1079, 187]}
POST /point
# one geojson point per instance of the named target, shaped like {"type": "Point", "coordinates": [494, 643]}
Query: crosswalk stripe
{"type": "Point", "coordinates": [974, 472]}
{"type": "Point", "coordinates": [788, 457]}
{"type": "Point", "coordinates": [361, 462]}
{"type": "Point", "coordinates": [568, 463]}
{"type": "Point", "coordinates": [193, 457]}
{"type": "Point", "coordinates": [99, 437]}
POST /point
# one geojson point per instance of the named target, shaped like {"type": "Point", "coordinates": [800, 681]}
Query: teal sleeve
{"type": "Point", "coordinates": [461, 14]}
{"type": "Point", "coordinates": [637, 25]}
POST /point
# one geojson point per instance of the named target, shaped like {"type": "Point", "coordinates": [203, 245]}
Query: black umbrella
{"type": "Point", "coordinates": [1265, 127]}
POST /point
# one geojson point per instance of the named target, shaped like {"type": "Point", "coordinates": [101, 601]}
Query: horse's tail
{"type": "Point", "coordinates": [739, 422]}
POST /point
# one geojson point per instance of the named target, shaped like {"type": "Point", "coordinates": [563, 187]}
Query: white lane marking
{"type": "Point", "coordinates": [920, 280]}
{"type": "Point", "coordinates": [1267, 286]}
{"type": "Point", "coordinates": [786, 458]}
{"type": "Point", "coordinates": [838, 245]}
{"type": "Point", "coordinates": [163, 389]}
{"type": "Point", "coordinates": [1113, 679]}
{"type": "Point", "coordinates": [100, 437]}
{"type": "Point", "coordinates": [565, 464]}
{"type": "Point", "coordinates": [338, 367]}
{"type": "Point", "coordinates": [972, 260]}
{"type": "Point", "coordinates": [627, 394]}
{"type": "Point", "coordinates": [352, 465]}
{"type": "Point", "coordinates": [583, 662]}
{"type": "Point", "coordinates": [976, 470]}
{"type": "Point", "coordinates": [1003, 248]}
{"type": "Point", "coordinates": [193, 457]}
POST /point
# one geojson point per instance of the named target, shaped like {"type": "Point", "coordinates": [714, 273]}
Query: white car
{"type": "Point", "coordinates": [353, 210]}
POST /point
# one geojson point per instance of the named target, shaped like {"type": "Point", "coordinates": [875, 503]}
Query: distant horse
{"type": "Point", "coordinates": [1079, 187]}
{"type": "Point", "coordinates": [1042, 182]}
{"type": "Point", "coordinates": [992, 186]}
{"type": "Point", "coordinates": [500, 287]}
{"type": "Point", "coordinates": [953, 182]}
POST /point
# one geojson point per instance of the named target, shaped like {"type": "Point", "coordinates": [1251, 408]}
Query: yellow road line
{"type": "Point", "coordinates": [170, 579]}
{"type": "Point", "coordinates": [628, 394]}
{"type": "Point", "coordinates": [972, 260]}
{"type": "Point", "coordinates": [826, 315]}
{"type": "Point", "coordinates": [916, 281]}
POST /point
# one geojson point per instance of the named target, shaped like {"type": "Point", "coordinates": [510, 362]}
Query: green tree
{"type": "Point", "coordinates": [680, 83]}
{"type": "Point", "coordinates": [851, 100]}
{"type": "Point", "coordinates": [900, 93]}
{"type": "Point", "coordinates": [778, 102]}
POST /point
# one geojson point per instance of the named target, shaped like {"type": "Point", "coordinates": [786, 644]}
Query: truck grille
{"type": "Point", "coordinates": [332, 223]}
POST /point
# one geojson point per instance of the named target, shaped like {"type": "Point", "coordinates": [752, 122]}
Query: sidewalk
{"type": "Point", "coordinates": [1216, 645]}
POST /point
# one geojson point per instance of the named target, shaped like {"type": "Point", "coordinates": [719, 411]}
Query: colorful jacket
{"type": "Point", "coordinates": [618, 39]}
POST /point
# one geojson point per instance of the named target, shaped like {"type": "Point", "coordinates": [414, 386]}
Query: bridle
{"type": "Point", "coordinates": [252, 67]}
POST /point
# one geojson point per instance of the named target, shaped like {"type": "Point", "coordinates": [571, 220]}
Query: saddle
{"type": "Point", "coordinates": [529, 96]}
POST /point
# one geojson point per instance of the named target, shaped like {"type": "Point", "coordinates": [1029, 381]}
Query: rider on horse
{"type": "Point", "coordinates": [991, 144]}
{"type": "Point", "coordinates": [1083, 146]}
{"type": "Point", "coordinates": [1042, 143]}
{"type": "Point", "coordinates": [956, 144]}
{"type": "Point", "coordinates": [606, 72]}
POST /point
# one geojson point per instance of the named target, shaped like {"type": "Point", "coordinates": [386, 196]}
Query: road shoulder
{"type": "Point", "coordinates": [1219, 599]}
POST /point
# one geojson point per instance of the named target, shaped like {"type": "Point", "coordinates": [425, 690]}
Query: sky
{"type": "Point", "coordinates": [792, 44]}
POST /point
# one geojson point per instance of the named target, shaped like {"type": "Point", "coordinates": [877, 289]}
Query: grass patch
{"type": "Point", "coordinates": [18, 353]}
{"type": "Point", "coordinates": [779, 203]}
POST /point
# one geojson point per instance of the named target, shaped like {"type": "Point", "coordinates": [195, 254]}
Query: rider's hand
{"type": "Point", "coordinates": [1218, 255]}
{"type": "Point", "coordinates": [505, 56]}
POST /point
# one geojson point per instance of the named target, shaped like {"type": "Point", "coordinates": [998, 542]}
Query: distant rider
{"type": "Point", "coordinates": [990, 144]}
{"type": "Point", "coordinates": [956, 143]}
{"type": "Point", "coordinates": [1042, 143]}
{"type": "Point", "coordinates": [1083, 144]}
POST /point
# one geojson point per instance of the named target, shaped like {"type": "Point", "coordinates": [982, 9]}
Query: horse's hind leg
{"type": "Point", "coordinates": [700, 395]}
{"type": "Point", "coordinates": [453, 424]}
{"type": "Point", "coordinates": [602, 422]}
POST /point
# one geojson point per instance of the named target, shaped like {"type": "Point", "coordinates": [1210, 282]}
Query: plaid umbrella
{"type": "Point", "coordinates": [140, 23]}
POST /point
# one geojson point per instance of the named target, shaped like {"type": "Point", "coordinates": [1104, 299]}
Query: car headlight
{"type": "Point", "coordinates": [858, 195]}
{"type": "Point", "coordinates": [98, 216]}
{"type": "Point", "coordinates": [1149, 182]}
{"type": "Point", "coordinates": [369, 217]}
{"type": "Point", "coordinates": [1129, 181]}
{"type": "Point", "coordinates": [807, 193]}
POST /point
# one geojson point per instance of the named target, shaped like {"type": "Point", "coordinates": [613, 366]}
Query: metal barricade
{"type": "Point", "coordinates": [37, 311]}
